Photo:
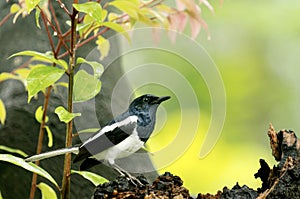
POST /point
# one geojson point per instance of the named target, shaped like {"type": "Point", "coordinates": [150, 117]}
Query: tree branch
{"type": "Point", "coordinates": [62, 5]}
{"type": "Point", "coordinates": [5, 19]}
{"type": "Point", "coordinates": [61, 38]}
{"type": "Point", "coordinates": [65, 191]}
{"type": "Point", "coordinates": [40, 141]}
{"type": "Point", "coordinates": [80, 44]}
{"type": "Point", "coordinates": [45, 19]}
{"type": "Point", "coordinates": [60, 41]}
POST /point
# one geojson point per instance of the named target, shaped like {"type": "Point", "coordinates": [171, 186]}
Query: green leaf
{"type": "Point", "coordinates": [97, 67]}
{"type": "Point", "coordinates": [90, 130]}
{"type": "Point", "coordinates": [92, 9]}
{"type": "Point", "coordinates": [45, 57]}
{"type": "Point", "coordinates": [12, 150]}
{"type": "Point", "coordinates": [6, 76]}
{"type": "Point", "coordinates": [22, 72]}
{"type": "Point", "coordinates": [37, 17]}
{"type": "Point", "coordinates": [86, 27]}
{"type": "Point", "coordinates": [28, 166]}
{"type": "Point", "coordinates": [63, 84]}
{"type": "Point", "coordinates": [80, 60]}
{"type": "Point", "coordinates": [147, 16]}
{"type": "Point", "coordinates": [1, 195]}
{"type": "Point", "coordinates": [50, 136]}
{"type": "Point", "coordinates": [39, 114]}
{"type": "Point", "coordinates": [14, 8]}
{"type": "Point", "coordinates": [30, 4]}
{"type": "Point", "coordinates": [64, 115]}
{"type": "Point", "coordinates": [112, 16]}
{"type": "Point", "coordinates": [92, 177]}
{"type": "Point", "coordinates": [47, 191]}
{"type": "Point", "coordinates": [127, 6]}
{"type": "Point", "coordinates": [104, 14]}
{"type": "Point", "coordinates": [118, 28]}
{"type": "Point", "coordinates": [40, 77]}
{"type": "Point", "coordinates": [20, 12]}
{"type": "Point", "coordinates": [103, 46]}
{"type": "Point", "coordinates": [2, 112]}
{"type": "Point", "coordinates": [86, 86]}
{"type": "Point", "coordinates": [19, 74]}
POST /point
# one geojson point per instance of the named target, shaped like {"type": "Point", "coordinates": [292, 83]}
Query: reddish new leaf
{"type": "Point", "coordinates": [195, 27]}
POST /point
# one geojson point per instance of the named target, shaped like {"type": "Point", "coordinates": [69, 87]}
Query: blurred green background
{"type": "Point", "coordinates": [255, 46]}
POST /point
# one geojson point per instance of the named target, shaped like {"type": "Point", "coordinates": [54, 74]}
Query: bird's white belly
{"type": "Point", "coordinates": [125, 148]}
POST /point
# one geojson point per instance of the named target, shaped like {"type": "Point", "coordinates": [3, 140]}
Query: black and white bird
{"type": "Point", "coordinates": [121, 137]}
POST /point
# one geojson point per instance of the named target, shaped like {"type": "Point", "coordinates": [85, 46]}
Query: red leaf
{"type": "Point", "coordinates": [195, 27]}
{"type": "Point", "coordinates": [180, 5]}
{"type": "Point", "coordinates": [178, 21]}
{"type": "Point", "coordinates": [181, 19]}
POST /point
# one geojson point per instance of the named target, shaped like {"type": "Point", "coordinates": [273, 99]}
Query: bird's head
{"type": "Point", "coordinates": [146, 104]}
{"type": "Point", "coordinates": [144, 107]}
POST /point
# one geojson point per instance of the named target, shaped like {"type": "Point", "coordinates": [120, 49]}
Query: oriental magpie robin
{"type": "Point", "coordinates": [121, 137]}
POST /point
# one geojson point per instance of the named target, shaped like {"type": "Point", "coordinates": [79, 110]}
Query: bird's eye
{"type": "Point", "coordinates": [146, 99]}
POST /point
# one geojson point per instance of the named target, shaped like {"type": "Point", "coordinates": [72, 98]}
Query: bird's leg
{"type": "Point", "coordinates": [123, 172]}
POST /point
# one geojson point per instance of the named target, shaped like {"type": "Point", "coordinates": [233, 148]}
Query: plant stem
{"type": "Point", "coordinates": [62, 5]}
{"type": "Point", "coordinates": [40, 141]}
{"type": "Point", "coordinates": [80, 44]}
{"type": "Point", "coordinates": [65, 192]}
{"type": "Point", "coordinates": [5, 19]}
{"type": "Point", "coordinates": [61, 40]}
{"type": "Point", "coordinates": [56, 30]}
{"type": "Point", "coordinates": [44, 17]}
{"type": "Point", "coordinates": [45, 108]}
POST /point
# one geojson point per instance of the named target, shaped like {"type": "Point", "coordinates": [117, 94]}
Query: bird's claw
{"type": "Point", "coordinates": [136, 182]}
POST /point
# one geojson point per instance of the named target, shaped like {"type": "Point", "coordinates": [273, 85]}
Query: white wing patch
{"type": "Point", "coordinates": [108, 128]}
{"type": "Point", "coordinates": [125, 148]}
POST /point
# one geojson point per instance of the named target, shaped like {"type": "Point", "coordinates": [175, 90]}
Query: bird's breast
{"type": "Point", "coordinates": [125, 148]}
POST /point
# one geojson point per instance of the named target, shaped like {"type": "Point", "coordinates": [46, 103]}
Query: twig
{"type": "Point", "coordinates": [78, 45]}
{"type": "Point", "coordinates": [55, 30]}
{"type": "Point", "coordinates": [152, 2]}
{"type": "Point", "coordinates": [65, 190]}
{"type": "Point", "coordinates": [62, 55]}
{"type": "Point", "coordinates": [46, 102]}
{"type": "Point", "coordinates": [62, 5]}
{"type": "Point", "coordinates": [5, 19]}
{"type": "Point", "coordinates": [25, 64]}
{"type": "Point", "coordinates": [44, 17]}
{"type": "Point", "coordinates": [61, 41]}
{"type": "Point", "coordinates": [89, 30]}
{"type": "Point", "coordinates": [40, 141]}
{"type": "Point", "coordinates": [66, 33]}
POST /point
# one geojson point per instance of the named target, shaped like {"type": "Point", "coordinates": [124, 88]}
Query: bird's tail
{"type": "Point", "coordinates": [74, 149]}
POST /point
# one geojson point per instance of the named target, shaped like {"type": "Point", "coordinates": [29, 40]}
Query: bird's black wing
{"type": "Point", "coordinates": [107, 137]}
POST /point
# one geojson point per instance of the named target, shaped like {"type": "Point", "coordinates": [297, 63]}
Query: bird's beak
{"type": "Point", "coordinates": [161, 99]}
